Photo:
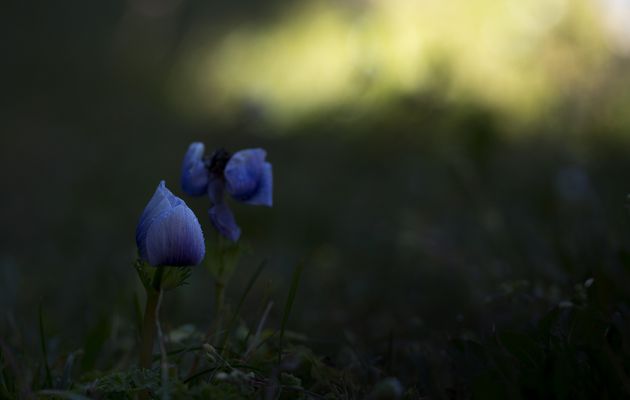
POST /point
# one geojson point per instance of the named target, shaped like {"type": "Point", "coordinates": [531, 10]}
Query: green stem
{"type": "Point", "coordinates": [148, 324]}
{"type": "Point", "coordinates": [219, 282]}
{"type": "Point", "coordinates": [148, 330]}
{"type": "Point", "coordinates": [163, 358]}
{"type": "Point", "coordinates": [219, 296]}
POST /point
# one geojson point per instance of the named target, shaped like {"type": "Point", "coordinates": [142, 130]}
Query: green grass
{"type": "Point", "coordinates": [477, 267]}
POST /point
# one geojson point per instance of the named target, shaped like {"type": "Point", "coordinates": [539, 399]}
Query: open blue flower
{"type": "Point", "coordinates": [194, 170]}
{"type": "Point", "coordinates": [168, 233]}
{"type": "Point", "coordinates": [245, 176]}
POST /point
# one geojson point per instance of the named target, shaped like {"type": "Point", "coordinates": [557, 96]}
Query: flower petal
{"type": "Point", "coordinates": [194, 171]}
{"type": "Point", "coordinates": [264, 193]}
{"type": "Point", "coordinates": [175, 238]}
{"type": "Point", "coordinates": [243, 173]}
{"type": "Point", "coordinates": [161, 201]}
{"type": "Point", "coordinates": [223, 220]}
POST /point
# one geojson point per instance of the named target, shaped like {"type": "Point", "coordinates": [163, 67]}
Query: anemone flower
{"type": "Point", "coordinates": [168, 233]}
{"type": "Point", "coordinates": [245, 176]}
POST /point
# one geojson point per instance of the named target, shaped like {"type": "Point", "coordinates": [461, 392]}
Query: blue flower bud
{"type": "Point", "coordinates": [194, 171]}
{"type": "Point", "coordinates": [168, 233]}
{"type": "Point", "coordinates": [223, 221]}
{"type": "Point", "coordinates": [248, 177]}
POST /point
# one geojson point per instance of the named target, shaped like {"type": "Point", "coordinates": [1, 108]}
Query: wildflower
{"type": "Point", "coordinates": [168, 233]}
{"type": "Point", "coordinates": [245, 176]}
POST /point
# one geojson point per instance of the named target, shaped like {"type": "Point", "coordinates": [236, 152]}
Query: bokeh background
{"type": "Point", "coordinates": [429, 156]}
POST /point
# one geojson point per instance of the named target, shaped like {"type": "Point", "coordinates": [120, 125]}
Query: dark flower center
{"type": "Point", "coordinates": [217, 161]}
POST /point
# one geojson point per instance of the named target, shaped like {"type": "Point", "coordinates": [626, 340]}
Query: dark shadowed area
{"type": "Point", "coordinates": [453, 177]}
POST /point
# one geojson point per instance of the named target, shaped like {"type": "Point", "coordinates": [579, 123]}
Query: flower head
{"type": "Point", "coordinates": [245, 176]}
{"type": "Point", "coordinates": [168, 232]}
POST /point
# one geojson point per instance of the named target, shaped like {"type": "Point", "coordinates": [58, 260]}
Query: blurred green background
{"type": "Point", "coordinates": [427, 154]}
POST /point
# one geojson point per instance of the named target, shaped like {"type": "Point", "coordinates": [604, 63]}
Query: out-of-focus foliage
{"type": "Point", "coordinates": [518, 57]}
{"type": "Point", "coordinates": [577, 348]}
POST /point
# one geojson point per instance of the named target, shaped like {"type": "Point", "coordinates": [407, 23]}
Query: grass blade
{"type": "Point", "coordinates": [10, 375]}
{"type": "Point", "coordinates": [237, 311]}
{"type": "Point", "coordinates": [66, 378]}
{"type": "Point", "coordinates": [44, 350]}
{"type": "Point", "coordinates": [295, 280]}
{"type": "Point", "coordinates": [259, 329]}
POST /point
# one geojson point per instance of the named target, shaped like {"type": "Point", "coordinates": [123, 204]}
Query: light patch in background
{"type": "Point", "coordinates": [516, 56]}
{"type": "Point", "coordinates": [302, 64]}
{"type": "Point", "coordinates": [616, 15]}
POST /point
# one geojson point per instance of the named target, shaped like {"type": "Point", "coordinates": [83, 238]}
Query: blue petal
{"type": "Point", "coordinates": [244, 175]}
{"type": "Point", "coordinates": [264, 194]}
{"type": "Point", "coordinates": [175, 238]}
{"type": "Point", "coordinates": [194, 171]}
{"type": "Point", "coordinates": [161, 201]}
{"type": "Point", "coordinates": [224, 222]}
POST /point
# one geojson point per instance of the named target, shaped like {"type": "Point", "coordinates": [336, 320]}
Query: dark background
{"type": "Point", "coordinates": [414, 215]}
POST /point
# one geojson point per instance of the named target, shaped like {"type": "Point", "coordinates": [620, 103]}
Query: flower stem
{"type": "Point", "coordinates": [163, 359]}
{"type": "Point", "coordinates": [219, 282]}
{"type": "Point", "coordinates": [149, 323]}
{"type": "Point", "coordinates": [219, 296]}
{"type": "Point", "coordinates": [148, 330]}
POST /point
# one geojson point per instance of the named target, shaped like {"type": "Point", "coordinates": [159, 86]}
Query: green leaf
{"type": "Point", "coordinates": [387, 389]}
{"type": "Point", "coordinates": [175, 277]}
{"type": "Point", "coordinates": [172, 277]}
{"type": "Point", "coordinates": [144, 273]}
{"type": "Point", "coordinates": [132, 380]}
{"type": "Point", "coordinates": [290, 380]}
